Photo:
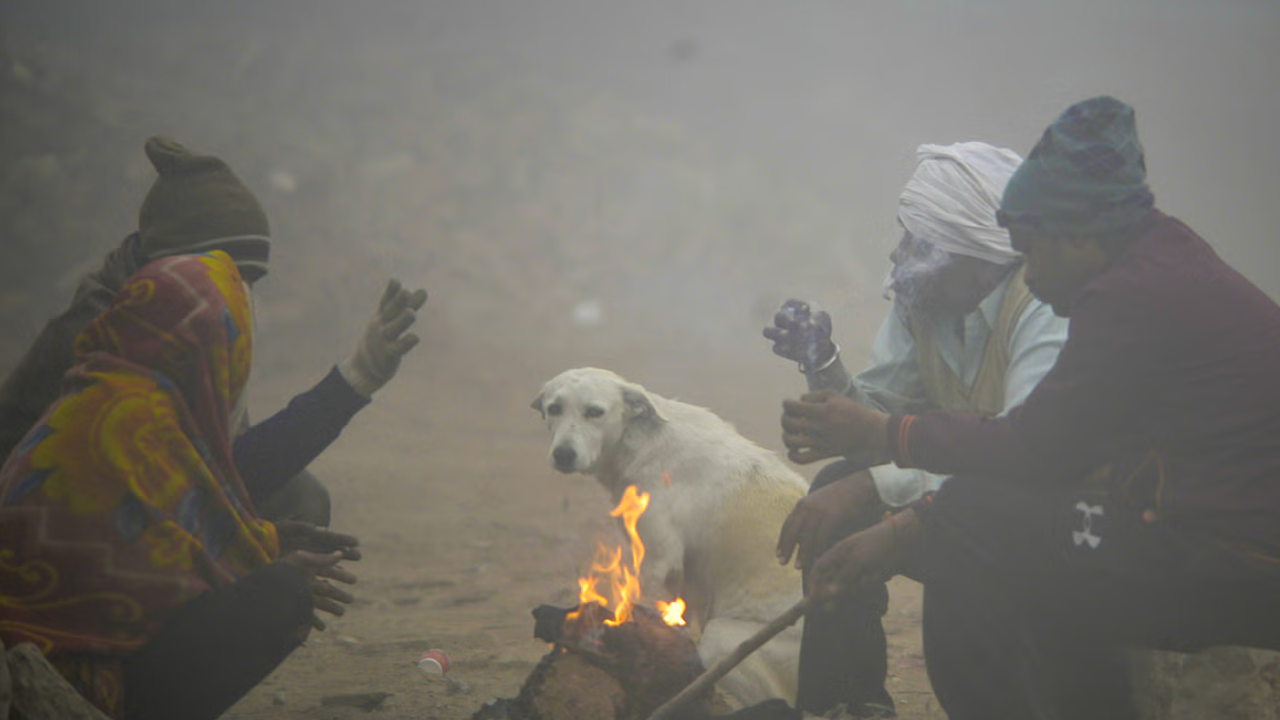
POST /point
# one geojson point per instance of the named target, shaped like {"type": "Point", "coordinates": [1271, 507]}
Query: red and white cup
{"type": "Point", "coordinates": [434, 662]}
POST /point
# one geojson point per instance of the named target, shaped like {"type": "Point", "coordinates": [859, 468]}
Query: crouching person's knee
{"type": "Point", "coordinates": [302, 498]}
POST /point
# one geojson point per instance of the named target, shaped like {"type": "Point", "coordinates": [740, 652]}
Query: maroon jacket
{"type": "Point", "coordinates": [1170, 372]}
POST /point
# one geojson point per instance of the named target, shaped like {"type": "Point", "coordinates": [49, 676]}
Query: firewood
{"type": "Point", "coordinates": [40, 693]}
{"type": "Point", "coordinates": [599, 671]}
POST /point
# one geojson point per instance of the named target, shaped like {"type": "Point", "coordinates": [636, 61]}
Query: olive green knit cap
{"type": "Point", "coordinates": [196, 204]}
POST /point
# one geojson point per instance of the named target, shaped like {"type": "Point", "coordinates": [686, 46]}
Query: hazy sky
{"type": "Point", "coordinates": [837, 94]}
{"type": "Point", "coordinates": [840, 93]}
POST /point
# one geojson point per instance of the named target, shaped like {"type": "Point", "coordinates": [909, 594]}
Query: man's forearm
{"type": "Point", "coordinates": [832, 376]}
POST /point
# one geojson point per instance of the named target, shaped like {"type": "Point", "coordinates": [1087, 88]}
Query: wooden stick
{"type": "Point", "coordinates": [730, 661]}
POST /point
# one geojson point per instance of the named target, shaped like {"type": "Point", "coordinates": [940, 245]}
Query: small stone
{"type": "Point", "coordinates": [279, 699]}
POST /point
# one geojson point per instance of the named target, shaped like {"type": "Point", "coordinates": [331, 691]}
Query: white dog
{"type": "Point", "coordinates": [717, 502]}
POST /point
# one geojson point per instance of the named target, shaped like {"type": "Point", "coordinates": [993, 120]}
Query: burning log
{"type": "Point", "coordinates": [597, 670]}
{"type": "Point", "coordinates": [611, 658]}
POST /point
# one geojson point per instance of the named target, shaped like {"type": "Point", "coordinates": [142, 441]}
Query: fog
{"type": "Point", "coordinates": [602, 174]}
{"type": "Point", "coordinates": [637, 186]}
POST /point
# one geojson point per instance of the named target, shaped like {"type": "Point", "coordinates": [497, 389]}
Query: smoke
{"type": "Point", "coordinates": [917, 263]}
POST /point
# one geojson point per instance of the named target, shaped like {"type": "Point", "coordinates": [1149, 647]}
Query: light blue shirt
{"type": "Point", "coordinates": [891, 383]}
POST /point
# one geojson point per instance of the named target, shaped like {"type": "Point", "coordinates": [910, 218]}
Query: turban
{"type": "Point", "coordinates": [952, 198]}
{"type": "Point", "coordinates": [1086, 174]}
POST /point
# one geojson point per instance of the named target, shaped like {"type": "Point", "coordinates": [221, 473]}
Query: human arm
{"type": "Point", "coordinates": [891, 383]}
{"type": "Point", "coordinates": [36, 381]}
{"type": "Point", "coordinates": [1033, 349]}
{"type": "Point", "coordinates": [1093, 395]}
{"type": "Point", "coordinates": [276, 449]}
{"type": "Point", "coordinates": [271, 452]}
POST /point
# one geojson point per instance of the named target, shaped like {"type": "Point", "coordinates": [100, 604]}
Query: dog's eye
{"type": "Point", "coordinates": [594, 412]}
{"type": "Point", "coordinates": [553, 409]}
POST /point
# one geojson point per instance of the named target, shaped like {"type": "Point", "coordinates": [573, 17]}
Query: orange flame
{"type": "Point", "coordinates": [672, 612]}
{"type": "Point", "coordinates": [623, 582]}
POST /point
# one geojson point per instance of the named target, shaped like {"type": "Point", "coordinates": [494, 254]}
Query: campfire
{"type": "Point", "coordinates": [621, 581]}
{"type": "Point", "coordinates": [612, 657]}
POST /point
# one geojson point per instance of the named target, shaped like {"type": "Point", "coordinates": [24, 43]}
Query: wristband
{"type": "Point", "coordinates": [830, 361]}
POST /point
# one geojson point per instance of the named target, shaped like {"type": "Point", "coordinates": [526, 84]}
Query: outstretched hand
{"type": "Point", "coordinates": [297, 535]}
{"type": "Point", "coordinates": [318, 550]}
{"type": "Point", "coordinates": [386, 339]}
{"type": "Point", "coordinates": [826, 424]}
{"type": "Point", "coordinates": [320, 568]}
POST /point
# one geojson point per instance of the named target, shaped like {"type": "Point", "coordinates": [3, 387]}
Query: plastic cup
{"type": "Point", "coordinates": [434, 662]}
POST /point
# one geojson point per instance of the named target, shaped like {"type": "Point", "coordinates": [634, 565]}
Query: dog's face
{"type": "Point", "coordinates": [588, 410]}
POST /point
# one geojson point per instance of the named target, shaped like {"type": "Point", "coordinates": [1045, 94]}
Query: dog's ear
{"type": "Point", "coordinates": [638, 404]}
{"type": "Point", "coordinates": [537, 404]}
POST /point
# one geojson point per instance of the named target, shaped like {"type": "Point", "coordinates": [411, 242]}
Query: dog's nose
{"type": "Point", "coordinates": [564, 456]}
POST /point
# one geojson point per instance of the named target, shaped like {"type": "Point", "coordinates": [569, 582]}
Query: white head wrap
{"type": "Point", "coordinates": [952, 198]}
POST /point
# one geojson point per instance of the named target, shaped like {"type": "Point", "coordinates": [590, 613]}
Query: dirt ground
{"type": "Point", "coordinates": [466, 528]}
{"type": "Point", "coordinates": [417, 140]}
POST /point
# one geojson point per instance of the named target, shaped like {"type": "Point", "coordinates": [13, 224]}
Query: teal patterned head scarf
{"type": "Point", "coordinates": [1085, 175]}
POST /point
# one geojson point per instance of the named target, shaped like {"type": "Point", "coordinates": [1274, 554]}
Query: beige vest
{"type": "Point", "coordinates": [945, 390]}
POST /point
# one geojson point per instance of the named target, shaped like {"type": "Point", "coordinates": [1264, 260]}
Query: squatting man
{"type": "Point", "coordinates": [964, 333]}
{"type": "Point", "coordinates": [1133, 498]}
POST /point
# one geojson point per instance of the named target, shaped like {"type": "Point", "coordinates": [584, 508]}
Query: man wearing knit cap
{"type": "Point", "coordinates": [964, 333]}
{"type": "Point", "coordinates": [197, 204]}
{"type": "Point", "coordinates": [1133, 499]}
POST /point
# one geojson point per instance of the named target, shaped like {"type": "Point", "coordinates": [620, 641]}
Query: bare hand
{"type": "Point", "coordinates": [808, 529]}
{"type": "Point", "coordinates": [801, 335]}
{"type": "Point", "coordinates": [296, 535]}
{"type": "Point", "coordinates": [826, 424]}
{"type": "Point", "coordinates": [321, 568]}
{"type": "Point", "coordinates": [863, 558]}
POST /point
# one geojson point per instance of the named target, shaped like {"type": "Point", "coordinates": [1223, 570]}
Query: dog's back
{"type": "Point", "coordinates": [728, 497]}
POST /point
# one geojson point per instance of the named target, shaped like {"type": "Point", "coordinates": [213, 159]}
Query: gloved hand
{"type": "Point", "coordinates": [801, 335]}
{"type": "Point", "coordinates": [377, 356]}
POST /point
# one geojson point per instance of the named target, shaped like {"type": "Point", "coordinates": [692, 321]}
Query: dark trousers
{"type": "Point", "coordinates": [218, 647]}
{"type": "Point", "coordinates": [843, 652]}
{"type": "Point", "coordinates": [1031, 594]}
{"type": "Point", "coordinates": [301, 497]}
